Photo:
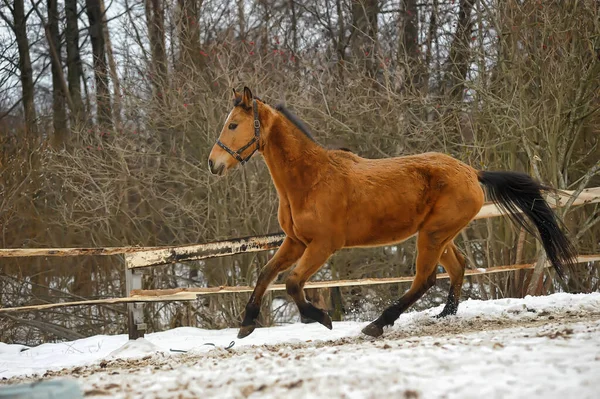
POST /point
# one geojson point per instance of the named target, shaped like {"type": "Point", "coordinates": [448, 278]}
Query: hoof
{"type": "Point", "coordinates": [245, 331]}
{"type": "Point", "coordinates": [445, 313]}
{"type": "Point", "coordinates": [306, 320]}
{"type": "Point", "coordinates": [327, 321]}
{"type": "Point", "coordinates": [373, 330]}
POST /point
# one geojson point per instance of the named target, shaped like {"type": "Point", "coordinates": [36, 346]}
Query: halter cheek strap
{"type": "Point", "coordinates": [256, 139]}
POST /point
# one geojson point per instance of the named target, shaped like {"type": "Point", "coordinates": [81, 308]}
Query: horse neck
{"type": "Point", "coordinates": [294, 161]}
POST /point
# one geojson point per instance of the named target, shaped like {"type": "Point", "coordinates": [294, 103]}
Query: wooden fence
{"type": "Point", "coordinates": [137, 258]}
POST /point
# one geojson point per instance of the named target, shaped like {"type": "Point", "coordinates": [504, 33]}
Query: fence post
{"type": "Point", "coordinates": [135, 311]}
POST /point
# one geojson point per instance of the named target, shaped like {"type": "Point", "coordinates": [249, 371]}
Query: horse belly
{"type": "Point", "coordinates": [364, 231]}
{"type": "Point", "coordinates": [378, 241]}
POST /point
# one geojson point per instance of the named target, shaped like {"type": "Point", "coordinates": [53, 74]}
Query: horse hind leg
{"type": "Point", "coordinates": [454, 263]}
{"type": "Point", "coordinates": [428, 255]}
{"type": "Point", "coordinates": [311, 261]}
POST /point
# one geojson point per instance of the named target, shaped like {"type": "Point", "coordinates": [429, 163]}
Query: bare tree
{"type": "Point", "coordinates": [457, 64]}
{"type": "Point", "coordinates": [155, 17]}
{"type": "Point", "coordinates": [19, 27]}
{"type": "Point", "coordinates": [364, 33]}
{"type": "Point", "coordinates": [59, 113]}
{"type": "Point", "coordinates": [408, 52]}
{"type": "Point", "coordinates": [74, 67]}
{"type": "Point", "coordinates": [189, 34]}
{"type": "Point", "coordinates": [112, 68]}
{"type": "Point", "coordinates": [103, 101]}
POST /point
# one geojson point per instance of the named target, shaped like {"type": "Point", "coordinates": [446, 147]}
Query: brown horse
{"type": "Point", "coordinates": [334, 199]}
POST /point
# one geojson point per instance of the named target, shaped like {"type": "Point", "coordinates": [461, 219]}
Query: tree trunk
{"type": "Point", "coordinates": [409, 44]}
{"type": "Point", "coordinates": [364, 18]}
{"type": "Point", "coordinates": [457, 64]}
{"type": "Point", "coordinates": [241, 19]}
{"type": "Point", "coordinates": [74, 67]}
{"type": "Point", "coordinates": [294, 27]}
{"type": "Point", "coordinates": [112, 67]}
{"type": "Point", "coordinates": [536, 282]}
{"type": "Point", "coordinates": [59, 84]}
{"type": "Point", "coordinates": [155, 16]}
{"type": "Point", "coordinates": [94, 14]}
{"type": "Point", "coordinates": [20, 29]}
{"type": "Point", "coordinates": [158, 68]}
{"type": "Point", "coordinates": [431, 37]}
{"type": "Point", "coordinates": [340, 46]}
{"type": "Point", "coordinates": [265, 25]}
{"type": "Point", "coordinates": [189, 34]}
{"type": "Point", "coordinates": [59, 115]}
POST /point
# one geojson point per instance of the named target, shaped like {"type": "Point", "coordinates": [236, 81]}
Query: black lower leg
{"type": "Point", "coordinates": [306, 309]}
{"type": "Point", "coordinates": [252, 312]}
{"type": "Point", "coordinates": [388, 317]}
{"type": "Point", "coordinates": [266, 275]}
{"type": "Point", "coordinates": [288, 253]}
{"type": "Point", "coordinates": [249, 322]}
{"type": "Point", "coordinates": [391, 314]}
{"type": "Point", "coordinates": [310, 311]}
{"type": "Point", "coordinates": [306, 320]}
{"type": "Point", "coordinates": [451, 304]}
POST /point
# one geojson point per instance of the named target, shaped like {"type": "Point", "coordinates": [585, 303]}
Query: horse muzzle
{"type": "Point", "coordinates": [216, 168]}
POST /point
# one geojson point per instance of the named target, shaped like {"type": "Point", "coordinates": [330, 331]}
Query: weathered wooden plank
{"type": "Point", "coordinates": [66, 252]}
{"type": "Point", "coordinates": [204, 251]}
{"type": "Point", "coordinates": [189, 294]}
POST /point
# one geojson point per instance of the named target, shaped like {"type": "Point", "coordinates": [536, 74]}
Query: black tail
{"type": "Point", "coordinates": [517, 193]}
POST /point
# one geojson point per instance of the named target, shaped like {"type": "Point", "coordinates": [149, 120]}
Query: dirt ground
{"type": "Point", "coordinates": [234, 372]}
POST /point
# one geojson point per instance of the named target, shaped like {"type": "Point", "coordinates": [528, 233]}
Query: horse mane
{"type": "Point", "coordinates": [302, 127]}
{"type": "Point", "coordinates": [295, 121]}
{"type": "Point", "coordinates": [289, 116]}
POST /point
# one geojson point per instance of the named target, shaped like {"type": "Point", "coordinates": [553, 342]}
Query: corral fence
{"type": "Point", "coordinates": [138, 258]}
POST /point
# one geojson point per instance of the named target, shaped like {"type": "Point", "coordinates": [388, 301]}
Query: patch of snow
{"type": "Point", "coordinates": [541, 361]}
{"type": "Point", "coordinates": [134, 349]}
{"type": "Point", "coordinates": [6, 349]}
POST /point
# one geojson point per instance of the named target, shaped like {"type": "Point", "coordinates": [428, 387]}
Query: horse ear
{"type": "Point", "coordinates": [247, 98]}
{"type": "Point", "coordinates": [234, 93]}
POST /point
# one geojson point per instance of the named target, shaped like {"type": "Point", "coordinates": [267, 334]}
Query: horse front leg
{"type": "Point", "coordinates": [289, 252]}
{"type": "Point", "coordinates": [313, 258]}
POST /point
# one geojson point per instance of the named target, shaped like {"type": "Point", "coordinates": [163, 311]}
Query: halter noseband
{"type": "Point", "coordinates": [256, 139]}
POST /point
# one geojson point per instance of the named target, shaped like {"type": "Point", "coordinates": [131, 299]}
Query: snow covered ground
{"type": "Point", "coordinates": [512, 348]}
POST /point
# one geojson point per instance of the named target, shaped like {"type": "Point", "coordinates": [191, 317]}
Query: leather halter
{"type": "Point", "coordinates": [256, 139]}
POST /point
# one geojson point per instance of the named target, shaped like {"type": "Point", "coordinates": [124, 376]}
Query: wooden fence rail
{"type": "Point", "coordinates": [141, 257]}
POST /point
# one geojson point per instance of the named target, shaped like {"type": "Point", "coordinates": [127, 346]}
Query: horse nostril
{"type": "Point", "coordinates": [210, 165]}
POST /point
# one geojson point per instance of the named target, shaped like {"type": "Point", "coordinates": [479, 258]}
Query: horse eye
{"type": "Point", "coordinates": [232, 126]}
